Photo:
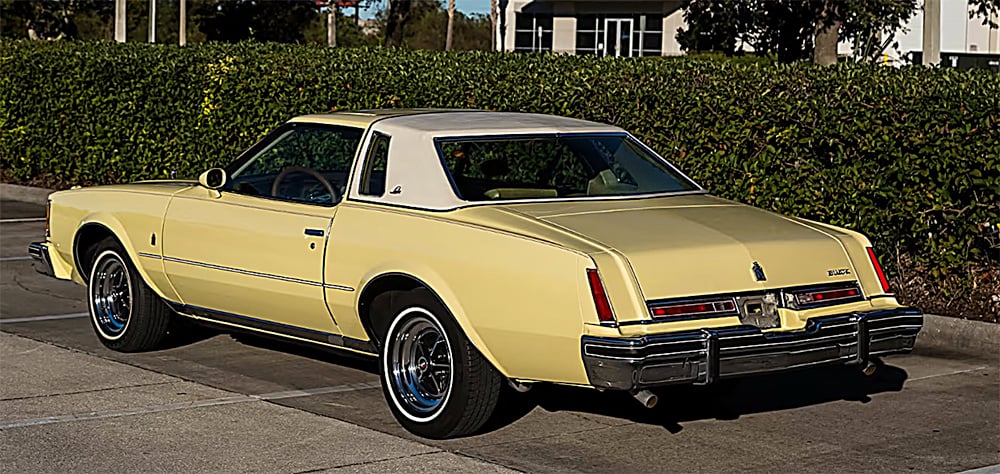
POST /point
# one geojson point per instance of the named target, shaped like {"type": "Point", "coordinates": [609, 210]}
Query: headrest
{"type": "Point", "coordinates": [494, 168]}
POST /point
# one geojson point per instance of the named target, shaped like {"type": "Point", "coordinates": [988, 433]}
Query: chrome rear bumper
{"type": "Point", "coordinates": [40, 258]}
{"type": "Point", "coordinates": [704, 356]}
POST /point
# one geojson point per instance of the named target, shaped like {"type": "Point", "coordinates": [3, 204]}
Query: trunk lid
{"type": "Point", "coordinates": [693, 245]}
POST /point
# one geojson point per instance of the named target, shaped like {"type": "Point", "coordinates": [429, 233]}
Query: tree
{"type": "Point", "coordinates": [712, 26]}
{"type": "Point", "coordinates": [795, 30]}
{"type": "Point", "coordinates": [349, 34]}
{"type": "Point", "coordinates": [240, 20]}
{"type": "Point", "coordinates": [418, 24]}
{"type": "Point", "coordinates": [780, 27]}
{"type": "Point", "coordinates": [49, 19]}
{"type": "Point", "coordinates": [429, 18]}
{"type": "Point", "coordinates": [872, 25]}
{"type": "Point", "coordinates": [396, 18]}
{"type": "Point", "coordinates": [494, 11]}
{"type": "Point", "coordinates": [827, 33]}
{"type": "Point", "coordinates": [451, 25]}
{"type": "Point", "coordinates": [986, 9]}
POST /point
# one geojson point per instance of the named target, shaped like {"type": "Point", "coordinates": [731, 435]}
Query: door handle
{"type": "Point", "coordinates": [314, 232]}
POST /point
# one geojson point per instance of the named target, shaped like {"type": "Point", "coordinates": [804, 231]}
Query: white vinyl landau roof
{"type": "Point", "coordinates": [456, 123]}
{"type": "Point", "coordinates": [415, 174]}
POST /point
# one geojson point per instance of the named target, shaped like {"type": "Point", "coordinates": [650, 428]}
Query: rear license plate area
{"type": "Point", "coordinates": [760, 310]}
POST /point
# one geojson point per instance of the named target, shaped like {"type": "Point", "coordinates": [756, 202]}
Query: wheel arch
{"type": "Point", "coordinates": [90, 233]}
{"type": "Point", "coordinates": [375, 322]}
{"type": "Point", "coordinates": [85, 242]}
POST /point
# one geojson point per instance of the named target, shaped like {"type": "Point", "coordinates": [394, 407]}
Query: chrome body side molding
{"type": "Point", "coordinates": [255, 325]}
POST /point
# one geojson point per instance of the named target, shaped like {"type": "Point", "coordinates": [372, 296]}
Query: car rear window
{"type": "Point", "coordinates": [546, 167]}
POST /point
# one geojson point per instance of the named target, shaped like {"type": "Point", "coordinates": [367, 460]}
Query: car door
{"type": "Point", "coordinates": [252, 253]}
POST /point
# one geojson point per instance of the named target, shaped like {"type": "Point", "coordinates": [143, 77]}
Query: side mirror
{"type": "Point", "coordinates": [214, 178]}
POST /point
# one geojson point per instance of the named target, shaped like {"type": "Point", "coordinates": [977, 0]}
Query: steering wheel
{"type": "Point", "coordinates": [309, 171]}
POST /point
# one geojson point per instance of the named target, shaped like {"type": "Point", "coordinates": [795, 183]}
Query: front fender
{"type": "Point", "coordinates": [144, 255]}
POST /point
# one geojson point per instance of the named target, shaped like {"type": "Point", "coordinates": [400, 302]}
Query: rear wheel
{"type": "Point", "coordinates": [436, 383]}
{"type": "Point", "coordinates": [125, 313]}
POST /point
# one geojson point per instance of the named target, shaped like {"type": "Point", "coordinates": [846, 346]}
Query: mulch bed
{"type": "Point", "coordinates": [973, 294]}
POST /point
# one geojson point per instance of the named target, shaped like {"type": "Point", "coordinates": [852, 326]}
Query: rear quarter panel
{"type": "Point", "coordinates": [855, 244]}
{"type": "Point", "coordinates": [518, 299]}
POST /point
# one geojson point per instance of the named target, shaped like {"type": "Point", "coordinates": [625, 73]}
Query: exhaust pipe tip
{"type": "Point", "coordinates": [646, 398]}
{"type": "Point", "coordinates": [518, 386]}
{"type": "Point", "coordinates": [870, 369]}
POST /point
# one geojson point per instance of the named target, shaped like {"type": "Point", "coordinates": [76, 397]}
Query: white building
{"type": "Point", "coordinates": [959, 33]}
{"type": "Point", "coordinates": [649, 28]}
{"type": "Point", "coordinates": [613, 28]}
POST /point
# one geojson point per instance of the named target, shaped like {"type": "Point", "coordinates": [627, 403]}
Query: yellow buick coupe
{"type": "Point", "coordinates": [471, 249]}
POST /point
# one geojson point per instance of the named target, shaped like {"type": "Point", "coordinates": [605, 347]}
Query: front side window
{"type": "Point", "coordinates": [307, 164]}
{"type": "Point", "coordinates": [556, 166]}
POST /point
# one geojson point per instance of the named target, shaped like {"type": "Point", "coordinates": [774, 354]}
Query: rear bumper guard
{"type": "Point", "coordinates": [40, 258]}
{"type": "Point", "coordinates": [706, 355]}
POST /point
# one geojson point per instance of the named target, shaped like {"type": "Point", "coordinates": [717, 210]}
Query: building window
{"type": "Point", "coordinates": [589, 34]}
{"type": "Point", "coordinates": [649, 36]}
{"type": "Point", "coordinates": [532, 33]}
{"type": "Point", "coordinates": [619, 35]}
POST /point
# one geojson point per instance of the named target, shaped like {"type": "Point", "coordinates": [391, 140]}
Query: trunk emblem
{"type": "Point", "coordinates": [758, 272]}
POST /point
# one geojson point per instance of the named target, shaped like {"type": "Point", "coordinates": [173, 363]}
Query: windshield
{"type": "Point", "coordinates": [489, 169]}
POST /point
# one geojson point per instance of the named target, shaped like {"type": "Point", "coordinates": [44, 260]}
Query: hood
{"type": "Point", "coordinates": [165, 187]}
{"type": "Point", "coordinates": [691, 245]}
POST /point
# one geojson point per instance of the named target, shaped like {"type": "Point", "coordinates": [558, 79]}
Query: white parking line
{"type": "Point", "coordinates": [11, 259]}
{"type": "Point", "coordinates": [994, 469]}
{"type": "Point", "coordinates": [353, 387]}
{"type": "Point", "coordinates": [50, 317]}
{"type": "Point", "coordinates": [23, 219]}
{"type": "Point", "coordinates": [118, 413]}
{"type": "Point", "coordinates": [948, 373]}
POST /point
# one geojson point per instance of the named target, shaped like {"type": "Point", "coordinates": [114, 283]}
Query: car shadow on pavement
{"type": "Point", "coordinates": [725, 400]}
{"type": "Point", "coordinates": [333, 356]}
{"type": "Point", "coordinates": [185, 333]}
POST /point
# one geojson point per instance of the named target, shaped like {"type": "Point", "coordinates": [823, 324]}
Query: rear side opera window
{"type": "Point", "coordinates": [373, 176]}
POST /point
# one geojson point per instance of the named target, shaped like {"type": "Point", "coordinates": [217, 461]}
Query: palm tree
{"type": "Point", "coordinates": [451, 25]}
{"type": "Point", "coordinates": [493, 24]}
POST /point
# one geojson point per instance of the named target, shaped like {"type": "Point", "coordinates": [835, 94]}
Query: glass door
{"type": "Point", "coordinates": [618, 37]}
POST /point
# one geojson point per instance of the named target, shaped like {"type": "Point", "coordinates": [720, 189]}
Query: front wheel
{"type": "Point", "coordinates": [436, 383]}
{"type": "Point", "coordinates": [126, 314]}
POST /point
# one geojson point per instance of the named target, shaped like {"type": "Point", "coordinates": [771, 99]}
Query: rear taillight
{"type": "Point", "coordinates": [878, 270]}
{"type": "Point", "coordinates": [48, 215]}
{"type": "Point", "coordinates": [823, 296]}
{"type": "Point", "coordinates": [707, 308]}
{"type": "Point", "coordinates": [601, 302]}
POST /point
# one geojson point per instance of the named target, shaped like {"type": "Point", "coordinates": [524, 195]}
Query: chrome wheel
{"type": "Point", "coordinates": [418, 364]}
{"type": "Point", "coordinates": [110, 295]}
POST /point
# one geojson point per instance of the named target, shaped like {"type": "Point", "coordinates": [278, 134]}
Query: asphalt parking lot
{"type": "Point", "coordinates": [235, 404]}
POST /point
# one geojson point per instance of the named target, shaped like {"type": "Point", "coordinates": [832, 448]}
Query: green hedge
{"type": "Point", "coordinates": [908, 156]}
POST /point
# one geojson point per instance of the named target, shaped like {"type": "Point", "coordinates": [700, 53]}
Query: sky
{"type": "Point", "coordinates": [464, 6]}
{"type": "Point", "coordinates": [473, 6]}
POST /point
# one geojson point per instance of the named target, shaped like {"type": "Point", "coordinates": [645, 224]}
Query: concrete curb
{"type": "Point", "coordinates": [976, 338]}
{"type": "Point", "coordinates": [16, 192]}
